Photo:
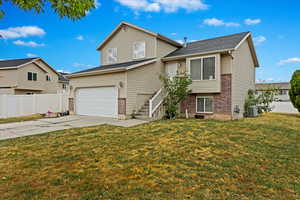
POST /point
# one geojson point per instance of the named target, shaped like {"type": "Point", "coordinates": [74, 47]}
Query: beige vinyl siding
{"type": "Point", "coordinates": [8, 78]}
{"type": "Point", "coordinates": [41, 83]}
{"type": "Point", "coordinates": [52, 86]}
{"type": "Point", "coordinates": [123, 40]}
{"type": "Point", "coordinates": [142, 83]}
{"type": "Point", "coordinates": [7, 91]}
{"type": "Point", "coordinates": [164, 48]}
{"type": "Point", "coordinates": [104, 80]}
{"type": "Point", "coordinates": [243, 77]}
{"type": "Point", "coordinates": [226, 64]}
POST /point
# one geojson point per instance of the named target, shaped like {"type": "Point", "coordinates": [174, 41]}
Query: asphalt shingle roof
{"type": "Point", "coordinates": [14, 62]}
{"type": "Point", "coordinates": [113, 66]}
{"type": "Point", "coordinates": [209, 45]}
{"type": "Point", "coordinates": [61, 77]}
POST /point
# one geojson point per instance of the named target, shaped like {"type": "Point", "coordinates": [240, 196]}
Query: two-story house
{"type": "Point", "coordinates": [132, 58]}
{"type": "Point", "coordinates": [30, 76]}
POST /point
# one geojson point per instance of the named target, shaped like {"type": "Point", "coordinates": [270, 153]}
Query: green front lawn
{"type": "Point", "coordinates": [182, 159]}
{"type": "Point", "coordinates": [20, 119]}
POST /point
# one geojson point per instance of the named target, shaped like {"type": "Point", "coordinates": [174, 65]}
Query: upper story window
{"type": "Point", "coordinates": [111, 56]}
{"type": "Point", "coordinates": [48, 78]}
{"type": "Point", "coordinates": [203, 68]}
{"type": "Point", "coordinates": [139, 50]}
{"type": "Point", "coordinates": [32, 76]}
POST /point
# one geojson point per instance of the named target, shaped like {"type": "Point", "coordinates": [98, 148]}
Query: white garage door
{"type": "Point", "coordinates": [97, 102]}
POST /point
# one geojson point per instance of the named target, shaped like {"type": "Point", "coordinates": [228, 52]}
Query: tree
{"type": "Point", "coordinates": [294, 92]}
{"type": "Point", "coordinates": [265, 99]}
{"type": "Point", "coordinates": [176, 89]}
{"type": "Point", "coordinates": [73, 9]}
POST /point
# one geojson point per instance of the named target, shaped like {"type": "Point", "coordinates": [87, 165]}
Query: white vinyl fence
{"type": "Point", "coordinates": [283, 107]}
{"type": "Point", "coordinates": [22, 105]}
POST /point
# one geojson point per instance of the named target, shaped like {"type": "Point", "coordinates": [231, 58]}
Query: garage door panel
{"type": "Point", "coordinates": [97, 102]}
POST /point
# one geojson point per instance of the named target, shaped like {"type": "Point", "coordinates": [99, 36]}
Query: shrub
{"type": "Point", "coordinates": [176, 89]}
{"type": "Point", "coordinates": [294, 92]}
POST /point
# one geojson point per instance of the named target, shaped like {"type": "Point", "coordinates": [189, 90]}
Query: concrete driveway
{"type": "Point", "coordinates": [20, 129]}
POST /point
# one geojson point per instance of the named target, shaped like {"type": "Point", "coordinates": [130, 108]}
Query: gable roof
{"type": "Point", "coordinates": [122, 24]}
{"type": "Point", "coordinates": [214, 45]}
{"type": "Point", "coordinates": [15, 62]}
{"type": "Point", "coordinates": [114, 67]}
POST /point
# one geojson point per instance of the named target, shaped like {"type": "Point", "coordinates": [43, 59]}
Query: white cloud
{"type": "Point", "coordinates": [165, 5]}
{"type": "Point", "coordinates": [174, 34]}
{"type": "Point", "coordinates": [252, 21]}
{"type": "Point", "coordinates": [31, 55]}
{"type": "Point", "coordinates": [79, 37]}
{"type": "Point", "coordinates": [97, 4]}
{"type": "Point", "coordinates": [21, 32]}
{"type": "Point", "coordinates": [63, 71]}
{"type": "Point", "coordinates": [259, 39]}
{"type": "Point", "coordinates": [153, 7]}
{"type": "Point", "coordinates": [28, 44]}
{"type": "Point", "coordinates": [289, 60]}
{"type": "Point", "coordinates": [82, 65]}
{"type": "Point", "coordinates": [219, 22]}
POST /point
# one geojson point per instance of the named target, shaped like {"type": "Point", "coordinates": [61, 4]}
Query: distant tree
{"type": "Point", "coordinates": [265, 99]}
{"type": "Point", "coordinates": [73, 9]}
{"type": "Point", "coordinates": [176, 89]}
{"type": "Point", "coordinates": [295, 90]}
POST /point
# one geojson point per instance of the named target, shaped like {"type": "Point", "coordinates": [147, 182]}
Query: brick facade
{"type": "Point", "coordinates": [221, 101]}
{"type": "Point", "coordinates": [71, 105]}
{"type": "Point", "coordinates": [122, 106]}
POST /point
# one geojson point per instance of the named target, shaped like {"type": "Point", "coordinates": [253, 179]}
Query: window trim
{"type": "Point", "coordinates": [107, 56]}
{"type": "Point", "coordinates": [32, 73]}
{"type": "Point", "coordinates": [198, 58]}
{"type": "Point", "coordinates": [204, 97]}
{"type": "Point", "coordinates": [134, 43]}
{"type": "Point", "coordinates": [48, 79]}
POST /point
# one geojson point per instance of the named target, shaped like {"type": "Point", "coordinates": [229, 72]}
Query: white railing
{"type": "Point", "coordinates": [156, 101]}
{"type": "Point", "coordinates": [22, 105]}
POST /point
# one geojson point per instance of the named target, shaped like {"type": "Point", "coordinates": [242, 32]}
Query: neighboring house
{"type": "Point", "coordinates": [29, 76]}
{"type": "Point", "coordinates": [63, 82]}
{"type": "Point", "coordinates": [132, 58]}
{"type": "Point", "coordinates": [283, 89]}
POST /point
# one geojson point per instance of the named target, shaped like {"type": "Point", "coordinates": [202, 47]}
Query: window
{"type": "Point", "coordinates": [48, 78]}
{"type": "Point", "coordinates": [139, 50]}
{"type": "Point", "coordinates": [31, 76]}
{"type": "Point", "coordinates": [204, 105]}
{"type": "Point", "coordinates": [111, 55]}
{"type": "Point", "coordinates": [64, 86]}
{"type": "Point", "coordinates": [171, 69]}
{"type": "Point", "coordinates": [203, 68]}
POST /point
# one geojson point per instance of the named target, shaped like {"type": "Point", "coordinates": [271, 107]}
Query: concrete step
{"type": "Point", "coordinates": [142, 114]}
{"type": "Point", "coordinates": [143, 117]}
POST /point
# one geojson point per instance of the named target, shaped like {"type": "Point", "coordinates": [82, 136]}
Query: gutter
{"type": "Point", "coordinates": [195, 54]}
{"type": "Point", "coordinates": [114, 70]}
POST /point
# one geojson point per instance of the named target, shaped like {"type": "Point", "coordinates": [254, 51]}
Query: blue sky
{"type": "Point", "coordinates": [71, 46]}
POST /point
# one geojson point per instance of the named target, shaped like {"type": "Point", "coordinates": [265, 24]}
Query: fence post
{"type": "Point", "coordinates": [34, 99]}
{"type": "Point", "coordinates": [20, 104]}
{"type": "Point", "coordinates": [60, 102]}
{"type": "Point", "coordinates": [4, 106]}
